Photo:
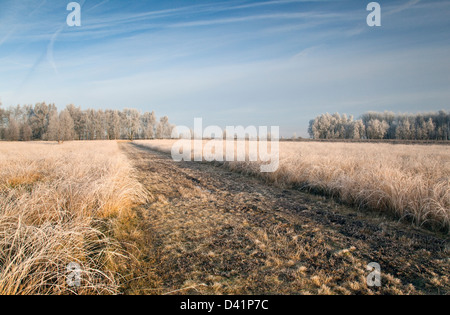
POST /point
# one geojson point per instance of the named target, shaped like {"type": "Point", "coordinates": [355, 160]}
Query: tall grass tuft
{"type": "Point", "coordinates": [57, 206]}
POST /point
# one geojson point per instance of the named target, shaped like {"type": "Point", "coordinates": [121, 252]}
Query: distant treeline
{"type": "Point", "coordinates": [45, 122]}
{"type": "Point", "coordinates": [387, 125]}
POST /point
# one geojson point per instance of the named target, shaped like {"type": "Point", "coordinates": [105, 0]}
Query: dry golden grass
{"type": "Point", "coordinates": [221, 232]}
{"type": "Point", "coordinates": [61, 204]}
{"type": "Point", "coordinates": [409, 181]}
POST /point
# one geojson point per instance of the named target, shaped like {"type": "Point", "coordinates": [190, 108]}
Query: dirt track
{"type": "Point", "coordinates": [218, 232]}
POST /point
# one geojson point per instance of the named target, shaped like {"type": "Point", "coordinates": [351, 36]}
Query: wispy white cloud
{"type": "Point", "coordinates": [401, 7]}
{"type": "Point", "coordinates": [98, 5]}
{"type": "Point", "coordinates": [50, 47]}
{"type": "Point", "coordinates": [7, 35]}
{"type": "Point", "coordinates": [249, 18]}
{"type": "Point", "coordinates": [282, 61]}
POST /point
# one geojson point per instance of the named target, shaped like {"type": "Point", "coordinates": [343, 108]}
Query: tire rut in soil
{"type": "Point", "coordinates": [224, 232]}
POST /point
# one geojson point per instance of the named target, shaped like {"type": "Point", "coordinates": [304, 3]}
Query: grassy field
{"type": "Point", "coordinates": [411, 182]}
{"type": "Point", "coordinates": [138, 223]}
{"type": "Point", "coordinates": [218, 231]}
{"type": "Point", "coordinates": [62, 204]}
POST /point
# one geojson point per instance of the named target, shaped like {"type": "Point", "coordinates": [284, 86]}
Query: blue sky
{"type": "Point", "coordinates": [231, 62]}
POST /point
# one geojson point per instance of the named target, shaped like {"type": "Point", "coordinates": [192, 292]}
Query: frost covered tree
{"type": "Point", "coordinates": [131, 122]}
{"type": "Point", "coordinates": [358, 130]}
{"type": "Point", "coordinates": [404, 130]}
{"type": "Point", "coordinates": [42, 122]}
{"type": "Point", "coordinates": [331, 126]}
{"type": "Point", "coordinates": [61, 127]}
{"type": "Point", "coordinates": [164, 129]}
{"type": "Point", "coordinates": [26, 134]}
{"type": "Point", "coordinates": [78, 121]}
{"type": "Point", "coordinates": [12, 132]}
{"type": "Point", "coordinates": [148, 125]}
{"type": "Point", "coordinates": [40, 119]}
{"type": "Point", "coordinates": [387, 125]}
{"type": "Point", "coordinates": [377, 129]}
{"type": "Point", "coordinates": [113, 124]}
